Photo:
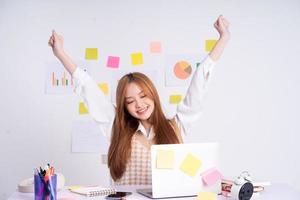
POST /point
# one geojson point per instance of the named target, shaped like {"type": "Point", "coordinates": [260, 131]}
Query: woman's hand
{"type": "Point", "coordinates": [222, 26]}
{"type": "Point", "coordinates": [56, 42]}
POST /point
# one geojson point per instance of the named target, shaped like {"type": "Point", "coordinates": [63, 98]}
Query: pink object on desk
{"type": "Point", "coordinates": [211, 176]}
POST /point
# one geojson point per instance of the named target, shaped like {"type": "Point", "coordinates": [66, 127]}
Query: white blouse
{"type": "Point", "coordinates": [138, 169]}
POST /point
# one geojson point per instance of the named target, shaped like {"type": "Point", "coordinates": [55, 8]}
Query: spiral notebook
{"type": "Point", "coordinates": [91, 191]}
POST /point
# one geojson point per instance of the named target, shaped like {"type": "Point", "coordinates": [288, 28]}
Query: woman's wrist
{"type": "Point", "coordinates": [224, 37]}
{"type": "Point", "coordinates": [60, 55]}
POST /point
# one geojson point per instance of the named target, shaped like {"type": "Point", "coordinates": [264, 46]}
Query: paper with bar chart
{"type": "Point", "coordinates": [59, 80]}
{"type": "Point", "coordinates": [179, 69]}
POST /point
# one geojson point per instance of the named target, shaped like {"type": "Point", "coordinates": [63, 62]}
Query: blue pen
{"type": "Point", "coordinates": [36, 171]}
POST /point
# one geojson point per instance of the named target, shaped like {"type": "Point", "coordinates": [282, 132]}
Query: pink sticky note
{"type": "Point", "coordinates": [155, 47]}
{"type": "Point", "coordinates": [211, 176]}
{"type": "Point", "coordinates": [113, 62]}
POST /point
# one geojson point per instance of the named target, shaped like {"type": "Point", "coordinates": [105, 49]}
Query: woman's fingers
{"type": "Point", "coordinates": [223, 21]}
{"type": "Point", "coordinates": [56, 37]}
{"type": "Point", "coordinates": [221, 24]}
{"type": "Point", "coordinates": [216, 25]}
{"type": "Point", "coordinates": [226, 23]}
{"type": "Point", "coordinates": [50, 42]}
{"type": "Point", "coordinates": [56, 42]}
{"type": "Point", "coordinates": [54, 34]}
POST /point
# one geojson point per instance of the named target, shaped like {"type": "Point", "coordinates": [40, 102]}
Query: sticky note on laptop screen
{"type": "Point", "coordinates": [190, 165]}
{"type": "Point", "coordinates": [211, 176]}
{"type": "Point", "coordinates": [165, 159]}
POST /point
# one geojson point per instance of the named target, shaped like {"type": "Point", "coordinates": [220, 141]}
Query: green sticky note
{"type": "Point", "coordinates": [137, 59]}
{"type": "Point", "coordinates": [190, 165]}
{"type": "Point", "coordinates": [91, 53]}
{"type": "Point", "coordinates": [165, 159]}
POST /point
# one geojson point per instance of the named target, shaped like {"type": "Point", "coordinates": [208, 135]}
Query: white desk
{"type": "Point", "coordinates": [274, 192]}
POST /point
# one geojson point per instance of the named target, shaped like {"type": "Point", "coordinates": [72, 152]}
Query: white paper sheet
{"type": "Point", "coordinates": [88, 138]}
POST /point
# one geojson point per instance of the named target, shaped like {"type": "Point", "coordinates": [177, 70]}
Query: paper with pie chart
{"type": "Point", "coordinates": [180, 69]}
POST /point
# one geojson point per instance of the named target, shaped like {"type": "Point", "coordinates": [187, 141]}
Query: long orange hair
{"type": "Point", "coordinates": [125, 125]}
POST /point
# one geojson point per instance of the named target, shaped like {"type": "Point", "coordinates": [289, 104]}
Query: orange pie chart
{"type": "Point", "coordinates": [182, 70]}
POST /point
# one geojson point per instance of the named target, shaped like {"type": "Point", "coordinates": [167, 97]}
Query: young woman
{"type": "Point", "coordinates": [138, 121]}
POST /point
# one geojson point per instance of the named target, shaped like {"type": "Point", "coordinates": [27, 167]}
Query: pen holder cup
{"type": "Point", "coordinates": [45, 189]}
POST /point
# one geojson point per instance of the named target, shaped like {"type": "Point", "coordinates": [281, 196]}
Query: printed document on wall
{"type": "Point", "coordinates": [87, 137]}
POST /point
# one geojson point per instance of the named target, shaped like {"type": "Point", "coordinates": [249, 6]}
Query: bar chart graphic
{"type": "Point", "coordinates": [58, 80]}
{"type": "Point", "coordinates": [61, 81]}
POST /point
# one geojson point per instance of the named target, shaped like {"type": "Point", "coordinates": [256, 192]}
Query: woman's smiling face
{"type": "Point", "coordinates": [137, 103]}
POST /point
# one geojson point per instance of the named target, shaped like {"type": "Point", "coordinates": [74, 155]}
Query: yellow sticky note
{"type": "Point", "coordinates": [207, 196]}
{"type": "Point", "coordinates": [190, 165]}
{"type": "Point", "coordinates": [209, 45]}
{"type": "Point", "coordinates": [104, 88]}
{"type": "Point", "coordinates": [175, 99]}
{"type": "Point", "coordinates": [137, 59]}
{"type": "Point", "coordinates": [91, 53]}
{"type": "Point", "coordinates": [82, 109]}
{"type": "Point", "coordinates": [165, 159]}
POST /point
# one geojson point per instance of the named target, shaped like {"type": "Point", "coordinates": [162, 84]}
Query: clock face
{"type": "Point", "coordinates": [246, 191]}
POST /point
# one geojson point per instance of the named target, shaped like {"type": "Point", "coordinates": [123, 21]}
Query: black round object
{"type": "Point", "coordinates": [246, 191]}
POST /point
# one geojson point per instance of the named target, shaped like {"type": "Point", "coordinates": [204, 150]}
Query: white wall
{"type": "Point", "coordinates": [251, 107]}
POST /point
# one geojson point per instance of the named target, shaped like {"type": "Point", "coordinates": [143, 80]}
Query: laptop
{"type": "Point", "coordinates": [177, 168]}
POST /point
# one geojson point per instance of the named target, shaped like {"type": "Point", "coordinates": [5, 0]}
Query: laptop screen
{"type": "Point", "coordinates": [177, 169]}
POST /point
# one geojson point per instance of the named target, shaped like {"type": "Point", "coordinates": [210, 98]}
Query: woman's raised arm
{"type": "Point", "coordinates": [56, 42]}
